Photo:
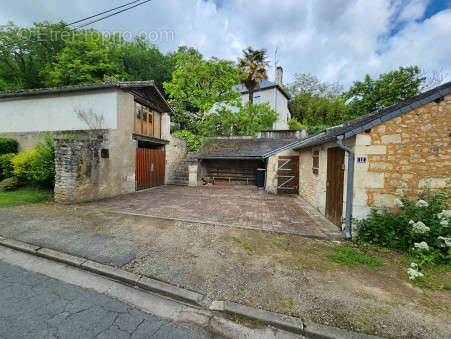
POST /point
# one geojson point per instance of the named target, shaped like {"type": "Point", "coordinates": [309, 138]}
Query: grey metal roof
{"type": "Point", "coordinates": [263, 84]}
{"type": "Point", "coordinates": [86, 87]}
{"type": "Point", "coordinates": [366, 122]}
{"type": "Point", "coordinates": [242, 148]}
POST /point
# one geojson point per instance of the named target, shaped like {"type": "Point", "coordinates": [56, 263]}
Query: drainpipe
{"type": "Point", "coordinates": [349, 186]}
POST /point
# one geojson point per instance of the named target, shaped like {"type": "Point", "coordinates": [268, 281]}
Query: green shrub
{"type": "Point", "coordinates": [6, 167]}
{"type": "Point", "coordinates": [9, 184]}
{"type": "Point", "coordinates": [23, 165]}
{"type": "Point", "coordinates": [316, 129]}
{"type": "Point", "coordinates": [36, 166]}
{"type": "Point", "coordinates": [419, 227]}
{"type": "Point", "coordinates": [193, 142]}
{"type": "Point", "coordinates": [8, 145]}
{"type": "Point", "coordinates": [293, 124]}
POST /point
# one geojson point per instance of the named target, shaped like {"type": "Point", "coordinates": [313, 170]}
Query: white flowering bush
{"type": "Point", "coordinates": [420, 227]}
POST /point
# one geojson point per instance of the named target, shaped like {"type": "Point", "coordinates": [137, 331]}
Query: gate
{"type": "Point", "coordinates": [150, 167]}
{"type": "Point", "coordinates": [288, 175]}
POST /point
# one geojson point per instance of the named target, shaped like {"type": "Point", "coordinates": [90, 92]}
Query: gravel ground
{"type": "Point", "coordinates": [282, 273]}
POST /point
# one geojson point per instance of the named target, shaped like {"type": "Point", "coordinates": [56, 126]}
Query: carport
{"type": "Point", "coordinates": [234, 161]}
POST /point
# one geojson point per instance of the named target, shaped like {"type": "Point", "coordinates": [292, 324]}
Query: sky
{"type": "Point", "coordinates": [335, 40]}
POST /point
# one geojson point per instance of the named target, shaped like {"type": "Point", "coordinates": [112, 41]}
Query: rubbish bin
{"type": "Point", "coordinates": [260, 177]}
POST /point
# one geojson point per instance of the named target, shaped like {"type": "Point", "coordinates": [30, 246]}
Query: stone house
{"type": "Point", "coordinates": [346, 170]}
{"type": "Point", "coordinates": [373, 160]}
{"type": "Point", "coordinates": [111, 138]}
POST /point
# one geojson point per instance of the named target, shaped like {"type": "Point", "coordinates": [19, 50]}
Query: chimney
{"type": "Point", "coordinates": [279, 75]}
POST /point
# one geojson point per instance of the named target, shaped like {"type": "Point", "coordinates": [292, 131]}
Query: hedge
{"type": "Point", "coordinates": [8, 145]}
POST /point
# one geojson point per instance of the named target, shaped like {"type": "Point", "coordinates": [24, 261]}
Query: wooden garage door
{"type": "Point", "coordinates": [288, 175]}
{"type": "Point", "coordinates": [335, 184]}
{"type": "Point", "coordinates": [150, 167]}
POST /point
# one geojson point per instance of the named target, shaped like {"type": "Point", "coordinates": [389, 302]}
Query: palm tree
{"type": "Point", "coordinates": [253, 69]}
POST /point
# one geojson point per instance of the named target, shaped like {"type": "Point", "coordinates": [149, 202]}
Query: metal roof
{"type": "Point", "coordinates": [263, 84]}
{"type": "Point", "coordinates": [366, 122]}
{"type": "Point", "coordinates": [242, 148]}
{"type": "Point", "coordinates": [87, 87]}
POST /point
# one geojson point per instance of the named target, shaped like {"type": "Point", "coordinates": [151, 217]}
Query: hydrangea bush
{"type": "Point", "coordinates": [420, 227]}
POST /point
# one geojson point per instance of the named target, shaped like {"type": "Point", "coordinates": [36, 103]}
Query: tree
{"type": "Point", "coordinates": [247, 120]}
{"type": "Point", "coordinates": [315, 102]}
{"type": "Point", "coordinates": [306, 83]}
{"type": "Point", "coordinates": [253, 69]}
{"type": "Point", "coordinates": [87, 58]}
{"type": "Point", "coordinates": [197, 85]}
{"type": "Point", "coordinates": [141, 60]}
{"type": "Point", "coordinates": [389, 89]}
{"type": "Point", "coordinates": [25, 52]}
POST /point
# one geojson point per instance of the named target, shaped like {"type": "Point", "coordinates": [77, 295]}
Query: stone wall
{"type": "Point", "coordinates": [176, 151]}
{"type": "Point", "coordinates": [78, 168]}
{"type": "Point", "coordinates": [404, 156]}
{"type": "Point", "coordinates": [410, 153]}
{"type": "Point", "coordinates": [27, 140]}
{"type": "Point", "coordinates": [283, 134]}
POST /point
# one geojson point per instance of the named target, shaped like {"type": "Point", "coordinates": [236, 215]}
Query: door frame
{"type": "Point", "coordinates": [288, 174]}
{"type": "Point", "coordinates": [335, 185]}
{"type": "Point", "coordinates": [150, 167]}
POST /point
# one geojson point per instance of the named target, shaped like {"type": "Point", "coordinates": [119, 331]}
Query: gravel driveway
{"type": "Point", "coordinates": [280, 272]}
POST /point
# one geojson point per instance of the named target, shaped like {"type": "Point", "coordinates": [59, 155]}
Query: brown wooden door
{"type": "Point", "coordinates": [335, 184]}
{"type": "Point", "coordinates": [288, 175]}
{"type": "Point", "coordinates": [150, 167]}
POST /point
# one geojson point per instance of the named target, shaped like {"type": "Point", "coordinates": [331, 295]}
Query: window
{"type": "Point", "coordinates": [145, 116]}
{"type": "Point", "coordinates": [138, 113]}
{"type": "Point", "coordinates": [257, 99]}
{"type": "Point", "coordinates": [315, 162]}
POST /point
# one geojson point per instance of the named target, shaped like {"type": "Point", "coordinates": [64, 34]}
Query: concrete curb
{"type": "Point", "coordinates": [19, 245]}
{"type": "Point", "coordinates": [129, 278]}
{"type": "Point", "coordinates": [281, 321]}
{"type": "Point", "coordinates": [278, 320]}
{"type": "Point", "coordinates": [313, 330]}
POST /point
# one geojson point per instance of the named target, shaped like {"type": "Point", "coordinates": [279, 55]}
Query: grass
{"type": "Point", "coordinates": [436, 277]}
{"type": "Point", "coordinates": [280, 245]}
{"type": "Point", "coordinates": [24, 196]}
{"type": "Point", "coordinates": [350, 256]}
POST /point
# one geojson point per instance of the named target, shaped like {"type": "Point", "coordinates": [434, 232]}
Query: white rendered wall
{"type": "Point", "coordinates": [57, 112]}
{"type": "Point", "coordinates": [277, 101]}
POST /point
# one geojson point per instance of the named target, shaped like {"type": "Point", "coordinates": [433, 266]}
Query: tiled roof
{"type": "Point", "coordinates": [72, 88]}
{"type": "Point", "coordinates": [87, 87]}
{"type": "Point", "coordinates": [246, 148]}
{"type": "Point", "coordinates": [264, 84]}
{"type": "Point", "coordinates": [366, 122]}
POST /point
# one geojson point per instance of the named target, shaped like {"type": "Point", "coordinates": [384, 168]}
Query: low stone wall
{"type": "Point", "coordinates": [87, 170]}
{"type": "Point", "coordinates": [77, 165]}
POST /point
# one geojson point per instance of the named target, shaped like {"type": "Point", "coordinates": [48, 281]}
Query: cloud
{"type": "Point", "coordinates": [337, 40]}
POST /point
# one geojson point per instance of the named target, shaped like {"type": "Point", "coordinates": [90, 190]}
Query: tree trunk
{"type": "Point", "coordinates": [251, 95]}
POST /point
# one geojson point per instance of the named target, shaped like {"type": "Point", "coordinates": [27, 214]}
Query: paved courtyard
{"type": "Point", "coordinates": [245, 206]}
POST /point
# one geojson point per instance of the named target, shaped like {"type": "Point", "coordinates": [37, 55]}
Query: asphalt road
{"type": "Point", "coordinates": [36, 306]}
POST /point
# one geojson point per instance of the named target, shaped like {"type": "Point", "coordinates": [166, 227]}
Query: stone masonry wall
{"type": "Point", "coordinates": [77, 166]}
{"type": "Point", "coordinates": [410, 153]}
{"type": "Point", "coordinates": [176, 151]}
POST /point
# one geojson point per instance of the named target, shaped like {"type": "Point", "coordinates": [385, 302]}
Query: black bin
{"type": "Point", "coordinates": [260, 177]}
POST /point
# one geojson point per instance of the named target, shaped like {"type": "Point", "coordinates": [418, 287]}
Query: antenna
{"type": "Point", "coordinates": [275, 63]}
